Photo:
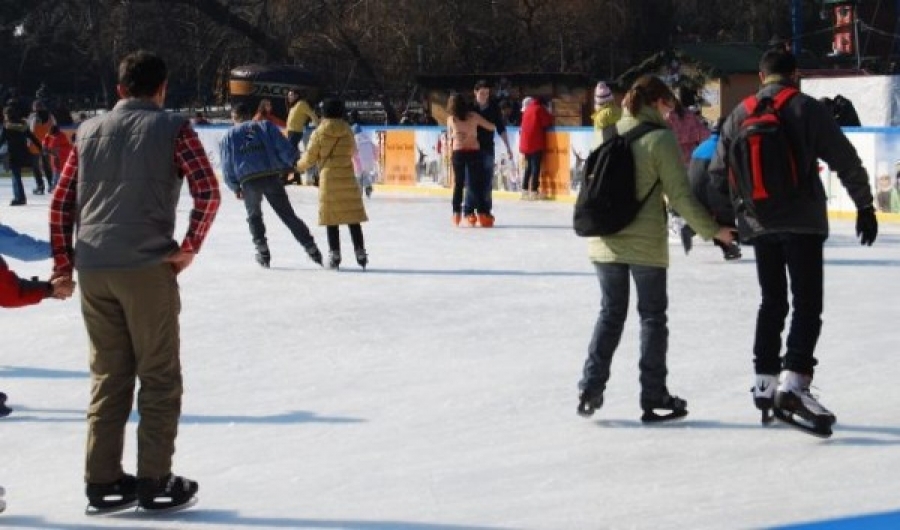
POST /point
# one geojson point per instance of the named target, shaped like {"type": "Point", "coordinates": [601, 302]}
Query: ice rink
{"type": "Point", "coordinates": [437, 390]}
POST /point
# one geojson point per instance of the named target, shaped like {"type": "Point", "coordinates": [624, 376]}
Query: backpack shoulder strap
{"type": "Point", "coordinates": [781, 98]}
{"type": "Point", "coordinates": [750, 103]}
{"type": "Point", "coordinates": [641, 129]}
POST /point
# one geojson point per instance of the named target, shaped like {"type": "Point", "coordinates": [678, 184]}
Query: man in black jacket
{"type": "Point", "coordinates": [489, 110]}
{"type": "Point", "coordinates": [788, 241]}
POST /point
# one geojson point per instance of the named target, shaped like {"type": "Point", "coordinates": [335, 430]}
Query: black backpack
{"type": "Point", "coordinates": [763, 170]}
{"type": "Point", "coordinates": [607, 201]}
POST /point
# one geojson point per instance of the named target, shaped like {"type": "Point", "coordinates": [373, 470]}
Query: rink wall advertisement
{"type": "Point", "coordinates": [417, 157]}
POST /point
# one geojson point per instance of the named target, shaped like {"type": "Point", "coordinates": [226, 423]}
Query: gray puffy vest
{"type": "Point", "coordinates": [128, 187]}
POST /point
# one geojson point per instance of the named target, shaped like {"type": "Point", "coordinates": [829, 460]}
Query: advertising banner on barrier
{"type": "Point", "coordinates": [419, 156]}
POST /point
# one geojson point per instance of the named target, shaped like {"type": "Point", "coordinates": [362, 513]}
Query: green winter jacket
{"type": "Point", "coordinates": [657, 157]}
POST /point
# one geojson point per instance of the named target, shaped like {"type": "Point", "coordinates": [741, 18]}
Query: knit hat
{"type": "Point", "coordinates": [602, 94]}
{"type": "Point", "coordinates": [525, 102]}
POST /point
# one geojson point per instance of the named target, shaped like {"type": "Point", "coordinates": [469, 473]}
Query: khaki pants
{"type": "Point", "coordinates": [131, 318]}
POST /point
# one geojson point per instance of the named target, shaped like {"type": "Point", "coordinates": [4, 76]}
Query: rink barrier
{"type": "Point", "coordinates": [415, 159]}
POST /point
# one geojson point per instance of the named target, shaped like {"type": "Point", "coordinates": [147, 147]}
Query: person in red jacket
{"type": "Point", "coordinates": [57, 146]}
{"type": "Point", "coordinates": [18, 292]}
{"type": "Point", "coordinates": [536, 119]}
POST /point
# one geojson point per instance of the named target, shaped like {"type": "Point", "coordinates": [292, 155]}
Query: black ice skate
{"type": "Point", "coordinates": [362, 258]}
{"type": "Point", "coordinates": [4, 410]}
{"type": "Point", "coordinates": [764, 396]}
{"type": "Point", "coordinates": [676, 406]}
{"type": "Point", "coordinates": [2, 500]}
{"type": "Point", "coordinates": [314, 254]}
{"type": "Point", "coordinates": [801, 410]}
{"type": "Point", "coordinates": [167, 494]}
{"type": "Point", "coordinates": [263, 258]}
{"type": "Point", "coordinates": [334, 259]}
{"type": "Point", "coordinates": [589, 402]}
{"type": "Point", "coordinates": [112, 497]}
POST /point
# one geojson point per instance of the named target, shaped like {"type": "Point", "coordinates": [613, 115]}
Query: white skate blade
{"type": "Point", "coordinates": [162, 511]}
{"type": "Point", "coordinates": [93, 510]}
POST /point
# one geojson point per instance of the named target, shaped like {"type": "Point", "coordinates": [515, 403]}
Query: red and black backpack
{"type": "Point", "coordinates": [762, 159]}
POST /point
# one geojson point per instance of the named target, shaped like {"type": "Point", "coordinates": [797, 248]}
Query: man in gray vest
{"type": "Point", "coordinates": [121, 186]}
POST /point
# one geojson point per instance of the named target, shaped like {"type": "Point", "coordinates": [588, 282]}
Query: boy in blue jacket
{"type": "Point", "coordinates": [254, 156]}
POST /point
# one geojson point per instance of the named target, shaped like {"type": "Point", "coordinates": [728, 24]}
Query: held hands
{"type": "Point", "coordinates": [726, 235]}
{"type": "Point", "coordinates": [866, 225]}
{"type": "Point", "coordinates": [62, 287]}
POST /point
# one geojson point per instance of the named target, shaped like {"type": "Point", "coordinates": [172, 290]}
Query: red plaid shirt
{"type": "Point", "coordinates": [192, 164]}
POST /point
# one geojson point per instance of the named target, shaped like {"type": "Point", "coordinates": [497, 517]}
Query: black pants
{"type": "Point", "coordinates": [40, 167]}
{"type": "Point", "coordinates": [271, 188]}
{"type": "Point", "coordinates": [334, 237]}
{"type": "Point", "coordinates": [780, 258]}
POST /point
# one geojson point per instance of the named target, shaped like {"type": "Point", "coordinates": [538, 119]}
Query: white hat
{"type": "Point", "coordinates": [525, 102]}
{"type": "Point", "coordinates": [602, 94]}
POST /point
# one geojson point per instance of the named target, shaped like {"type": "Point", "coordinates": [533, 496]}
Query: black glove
{"type": "Point", "coordinates": [866, 225]}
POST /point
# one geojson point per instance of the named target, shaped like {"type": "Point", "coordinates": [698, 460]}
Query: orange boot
{"type": "Point", "coordinates": [472, 219]}
{"type": "Point", "coordinates": [486, 220]}
{"type": "Point", "coordinates": [457, 217]}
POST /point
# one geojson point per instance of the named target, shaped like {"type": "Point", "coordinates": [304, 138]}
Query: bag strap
{"type": "Point", "coordinates": [779, 100]}
{"type": "Point", "coordinates": [782, 97]}
{"type": "Point", "coordinates": [641, 129]}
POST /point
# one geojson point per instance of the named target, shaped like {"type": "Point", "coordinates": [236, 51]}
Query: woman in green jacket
{"type": "Point", "coordinates": [641, 251]}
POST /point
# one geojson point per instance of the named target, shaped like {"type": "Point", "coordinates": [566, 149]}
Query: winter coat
{"type": "Point", "coordinates": [815, 136]}
{"type": "Point", "coordinates": [299, 115]}
{"type": "Point", "coordinates": [331, 148]}
{"type": "Point", "coordinates": [533, 132]}
{"type": "Point", "coordinates": [657, 158]}
{"type": "Point", "coordinates": [40, 123]}
{"type": "Point", "coordinates": [605, 118]}
{"type": "Point", "coordinates": [254, 149]}
{"type": "Point", "coordinates": [689, 130]}
{"type": "Point", "coordinates": [698, 174]}
{"type": "Point", "coordinates": [16, 292]}
{"type": "Point", "coordinates": [17, 136]}
{"type": "Point", "coordinates": [58, 146]}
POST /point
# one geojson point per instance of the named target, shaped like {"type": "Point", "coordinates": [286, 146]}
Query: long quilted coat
{"type": "Point", "coordinates": [331, 147]}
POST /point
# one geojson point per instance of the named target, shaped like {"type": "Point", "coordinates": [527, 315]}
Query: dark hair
{"type": "Point", "coordinates": [333, 108]}
{"type": "Point", "coordinates": [54, 129]}
{"type": "Point", "coordinates": [261, 108]}
{"type": "Point", "coordinates": [241, 110]}
{"type": "Point", "coordinates": [645, 91]}
{"type": "Point", "coordinates": [457, 106]}
{"type": "Point", "coordinates": [141, 73]}
{"type": "Point", "coordinates": [778, 61]}
{"type": "Point", "coordinates": [482, 83]}
{"type": "Point", "coordinates": [353, 116]}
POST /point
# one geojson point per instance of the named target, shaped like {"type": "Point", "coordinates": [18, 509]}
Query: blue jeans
{"type": "Point", "coordinates": [531, 181]}
{"type": "Point", "coordinates": [779, 257]}
{"type": "Point", "coordinates": [468, 173]}
{"type": "Point", "coordinates": [273, 190]}
{"type": "Point", "coordinates": [652, 305]}
{"type": "Point", "coordinates": [17, 188]}
{"type": "Point", "coordinates": [487, 167]}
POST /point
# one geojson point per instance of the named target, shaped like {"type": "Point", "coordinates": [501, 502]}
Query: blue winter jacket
{"type": "Point", "coordinates": [254, 149]}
